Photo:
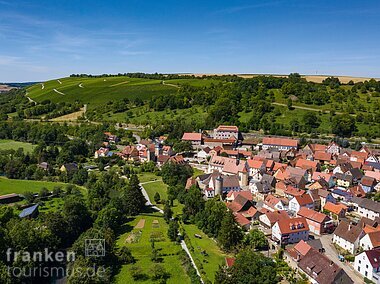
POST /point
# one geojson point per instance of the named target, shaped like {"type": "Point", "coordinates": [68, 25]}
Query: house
{"type": "Point", "coordinates": [226, 131]}
{"type": "Point", "coordinates": [194, 138]}
{"type": "Point", "coordinates": [297, 202]}
{"type": "Point", "coordinates": [290, 231]}
{"type": "Point", "coordinates": [275, 203]}
{"type": "Point", "coordinates": [343, 180]}
{"type": "Point", "coordinates": [281, 144]}
{"type": "Point", "coordinates": [203, 153]}
{"type": "Point", "coordinates": [102, 152]}
{"type": "Point", "coordinates": [44, 165]}
{"type": "Point", "coordinates": [322, 157]}
{"type": "Point", "coordinates": [241, 204]}
{"type": "Point", "coordinates": [367, 263]}
{"type": "Point", "coordinates": [69, 168]}
{"type": "Point", "coordinates": [10, 198]}
{"type": "Point", "coordinates": [291, 191]}
{"type": "Point", "coordinates": [366, 207]}
{"type": "Point", "coordinates": [325, 196]}
{"type": "Point", "coordinates": [216, 183]}
{"type": "Point", "coordinates": [371, 240]}
{"type": "Point", "coordinates": [342, 168]}
{"type": "Point", "coordinates": [269, 218]}
{"type": "Point", "coordinates": [129, 153]}
{"type": "Point", "coordinates": [347, 236]}
{"type": "Point", "coordinates": [336, 210]}
{"type": "Point", "coordinates": [243, 222]}
{"type": "Point", "coordinates": [228, 143]}
{"type": "Point", "coordinates": [256, 169]}
{"type": "Point", "coordinates": [111, 138]}
{"type": "Point", "coordinates": [262, 188]}
{"type": "Point", "coordinates": [298, 251]}
{"type": "Point", "coordinates": [357, 191]}
{"type": "Point", "coordinates": [319, 223]}
{"type": "Point", "coordinates": [177, 159]}
{"type": "Point", "coordinates": [342, 195]}
{"type": "Point", "coordinates": [230, 166]}
{"type": "Point", "coordinates": [30, 212]}
{"type": "Point", "coordinates": [333, 148]}
{"type": "Point", "coordinates": [314, 166]}
{"type": "Point", "coordinates": [320, 269]}
{"type": "Point", "coordinates": [368, 184]}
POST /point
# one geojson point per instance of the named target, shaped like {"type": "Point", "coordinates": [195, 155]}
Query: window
{"type": "Point", "coordinates": [366, 266]}
{"type": "Point", "coordinates": [360, 261]}
{"type": "Point", "coordinates": [366, 273]}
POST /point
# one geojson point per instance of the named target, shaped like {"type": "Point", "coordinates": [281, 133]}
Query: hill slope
{"type": "Point", "coordinates": [96, 91]}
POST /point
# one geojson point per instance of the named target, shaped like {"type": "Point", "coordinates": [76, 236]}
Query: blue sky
{"type": "Point", "coordinates": [41, 40]}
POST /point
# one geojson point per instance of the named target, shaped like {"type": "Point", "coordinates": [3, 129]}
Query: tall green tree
{"type": "Point", "coordinates": [230, 234]}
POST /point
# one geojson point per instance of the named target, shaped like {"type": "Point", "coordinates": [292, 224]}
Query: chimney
{"type": "Point", "coordinates": [349, 227]}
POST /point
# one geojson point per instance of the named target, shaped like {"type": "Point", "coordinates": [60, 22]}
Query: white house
{"type": "Point", "coordinates": [366, 207]}
{"type": "Point", "coordinates": [256, 169]}
{"type": "Point", "coordinates": [370, 241]}
{"type": "Point", "coordinates": [273, 203]}
{"type": "Point", "coordinates": [226, 131]}
{"type": "Point", "coordinates": [290, 231]}
{"type": "Point", "coordinates": [367, 263]}
{"type": "Point", "coordinates": [297, 202]}
{"type": "Point", "coordinates": [347, 236]}
{"type": "Point", "coordinates": [281, 144]}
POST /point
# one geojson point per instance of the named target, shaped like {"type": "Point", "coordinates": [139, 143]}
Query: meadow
{"type": "Point", "coordinates": [20, 186]}
{"type": "Point", "coordinates": [138, 241]}
{"type": "Point", "coordinates": [15, 145]}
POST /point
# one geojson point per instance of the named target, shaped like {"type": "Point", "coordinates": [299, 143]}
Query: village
{"type": "Point", "coordinates": [313, 201]}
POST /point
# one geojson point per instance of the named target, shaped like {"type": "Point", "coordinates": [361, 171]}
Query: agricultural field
{"type": "Point", "coordinates": [137, 235]}
{"type": "Point", "coordinates": [97, 91]}
{"type": "Point", "coordinates": [20, 186]}
{"type": "Point", "coordinates": [15, 145]}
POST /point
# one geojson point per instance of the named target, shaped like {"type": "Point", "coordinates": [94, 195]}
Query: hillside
{"type": "Point", "coordinates": [97, 91]}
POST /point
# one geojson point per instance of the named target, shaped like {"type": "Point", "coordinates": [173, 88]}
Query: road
{"type": "Point", "coordinates": [332, 254]}
{"type": "Point", "coordinates": [308, 108]}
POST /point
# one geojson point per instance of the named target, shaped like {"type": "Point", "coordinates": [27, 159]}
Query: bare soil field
{"type": "Point", "coordinates": [140, 224]}
{"type": "Point", "coordinates": [311, 78]}
{"type": "Point", "coordinates": [69, 117]}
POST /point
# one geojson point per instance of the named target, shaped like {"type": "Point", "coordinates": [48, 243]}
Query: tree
{"type": "Point", "coordinates": [109, 217]}
{"type": "Point", "coordinates": [249, 268]}
{"type": "Point", "coordinates": [158, 272]}
{"type": "Point", "coordinates": [29, 196]}
{"type": "Point", "coordinates": [168, 213]}
{"type": "Point", "coordinates": [230, 234]}
{"type": "Point", "coordinates": [43, 192]}
{"type": "Point", "coordinates": [255, 239]}
{"type": "Point", "coordinates": [311, 121]}
{"type": "Point", "coordinates": [289, 104]}
{"type": "Point", "coordinates": [343, 125]}
{"type": "Point", "coordinates": [173, 230]}
{"type": "Point", "coordinates": [133, 199]}
{"type": "Point", "coordinates": [125, 256]}
{"type": "Point", "coordinates": [194, 203]}
{"type": "Point", "coordinates": [173, 174]}
{"type": "Point", "coordinates": [157, 197]}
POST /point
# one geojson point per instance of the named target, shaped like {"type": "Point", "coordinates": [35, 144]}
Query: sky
{"type": "Point", "coordinates": [41, 40]}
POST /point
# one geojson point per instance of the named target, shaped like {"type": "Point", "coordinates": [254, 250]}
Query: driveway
{"type": "Point", "coordinates": [332, 254]}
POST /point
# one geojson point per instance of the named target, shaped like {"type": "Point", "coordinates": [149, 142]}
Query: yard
{"type": "Point", "coordinates": [15, 145]}
{"type": "Point", "coordinates": [137, 237]}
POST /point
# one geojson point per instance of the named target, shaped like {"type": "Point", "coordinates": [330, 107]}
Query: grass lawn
{"type": "Point", "coordinates": [207, 264]}
{"type": "Point", "coordinates": [20, 186]}
{"type": "Point", "coordinates": [145, 177]}
{"type": "Point", "coordinates": [15, 145]}
{"type": "Point", "coordinates": [141, 249]}
{"type": "Point", "coordinates": [157, 186]}
{"type": "Point", "coordinates": [197, 172]}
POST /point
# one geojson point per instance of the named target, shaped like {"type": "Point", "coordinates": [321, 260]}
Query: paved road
{"type": "Point", "coordinates": [332, 254]}
{"type": "Point", "coordinates": [184, 247]}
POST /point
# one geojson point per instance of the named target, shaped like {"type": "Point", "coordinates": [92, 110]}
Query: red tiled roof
{"type": "Point", "coordinates": [374, 257]}
{"type": "Point", "coordinates": [188, 136]}
{"type": "Point", "coordinates": [293, 191]}
{"type": "Point", "coordinates": [318, 175]}
{"type": "Point", "coordinates": [304, 199]}
{"type": "Point", "coordinates": [334, 208]}
{"type": "Point", "coordinates": [228, 140]}
{"type": "Point", "coordinates": [375, 175]}
{"type": "Point", "coordinates": [230, 128]}
{"type": "Point", "coordinates": [280, 141]}
{"type": "Point", "coordinates": [322, 156]}
{"type": "Point", "coordinates": [302, 247]}
{"type": "Point", "coordinates": [230, 261]}
{"type": "Point", "coordinates": [293, 225]}
{"type": "Point", "coordinates": [312, 215]}
{"type": "Point", "coordinates": [306, 164]}
{"type": "Point", "coordinates": [241, 219]}
{"type": "Point", "coordinates": [375, 238]}
{"type": "Point", "coordinates": [255, 164]}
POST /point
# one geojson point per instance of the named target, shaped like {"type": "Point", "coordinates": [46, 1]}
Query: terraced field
{"type": "Point", "coordinates": [96, 91]}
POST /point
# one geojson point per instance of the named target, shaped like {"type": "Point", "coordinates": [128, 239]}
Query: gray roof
{"type": "Point", "coordinates": [367, 204]}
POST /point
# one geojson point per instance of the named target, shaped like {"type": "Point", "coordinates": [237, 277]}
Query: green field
{"type": "Point", "coordinates": [15, 145]}
{"type": "Point", "coordinates": [206, 254]}
{"type": "Point", "coordinates": [141, 250]}
{"type": "Point", "coordinates": [97, 91]}
{"type": "Point", "coordinates": [20, 186]}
